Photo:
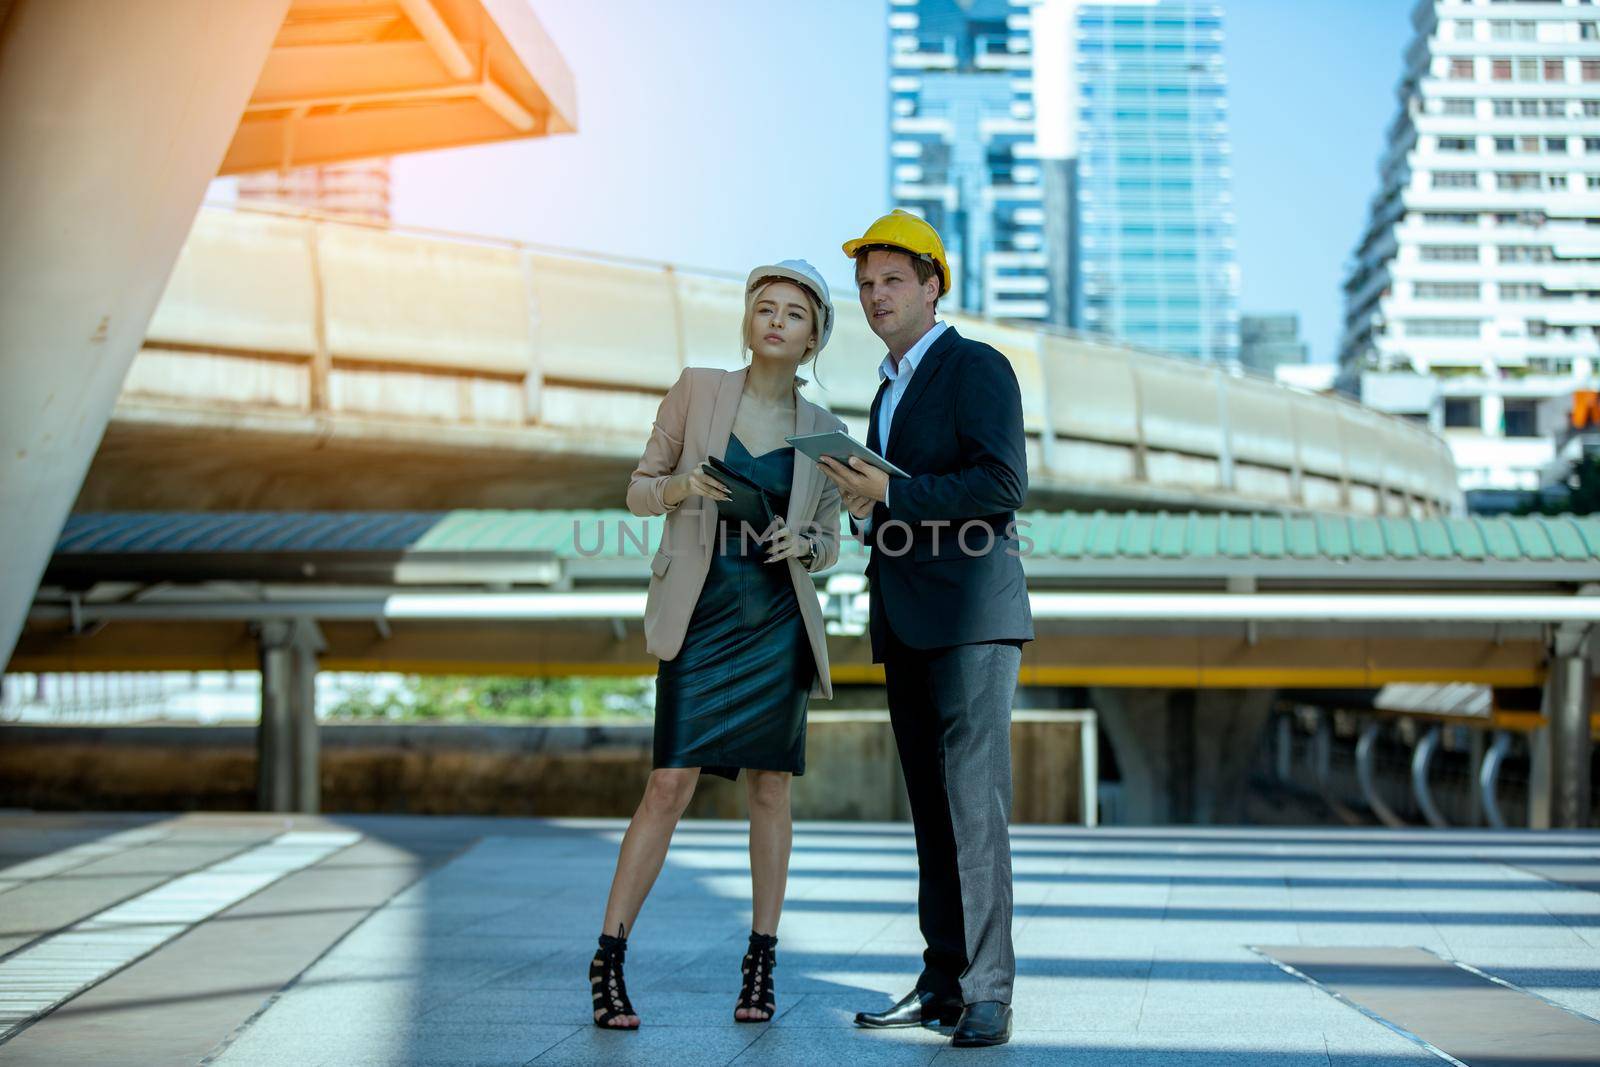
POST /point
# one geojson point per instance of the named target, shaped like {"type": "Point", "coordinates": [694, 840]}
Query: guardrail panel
{"type": "Point", "coordinates": [1091, 390]}
{"type": "Point", "coordinates": [607, 323]}
{"type": "Point", "coordinates": [242, 283]}
{"type": "Point", "coordinates": [396, 298]}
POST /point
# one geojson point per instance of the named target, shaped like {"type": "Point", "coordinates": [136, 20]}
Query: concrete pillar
{"type": "Point", "coordinates": [113, 119]}
{"type": "Point", "coordinates": [1567, 700]}
{"type": "Point", "coordinates": [1184, 754]}
{"type": "Point", "coordinates": [288, 748]}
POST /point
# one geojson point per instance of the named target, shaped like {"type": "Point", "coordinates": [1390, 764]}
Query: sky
{"type": "Point", "coordinates": [726, 133]}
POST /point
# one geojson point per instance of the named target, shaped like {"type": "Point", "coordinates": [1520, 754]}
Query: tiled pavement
{"type": "Point", "coordinates": [465, 941]}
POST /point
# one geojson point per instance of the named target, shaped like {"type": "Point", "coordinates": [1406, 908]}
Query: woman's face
{"type": "Point", "coordinates": [782, 323]}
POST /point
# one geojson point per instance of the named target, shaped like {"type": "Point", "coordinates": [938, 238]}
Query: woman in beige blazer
{"type": "Point", "coordinates": [732, 616]}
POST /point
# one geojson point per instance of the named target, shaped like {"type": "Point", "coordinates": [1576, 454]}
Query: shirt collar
{"type": "Point", "coordinates": [913, 356]}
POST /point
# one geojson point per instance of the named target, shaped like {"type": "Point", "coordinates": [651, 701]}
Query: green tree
{"type": "Point", "coordinates": [467, 698]}
{"type": "Point", "coordinates": [1582, 496]}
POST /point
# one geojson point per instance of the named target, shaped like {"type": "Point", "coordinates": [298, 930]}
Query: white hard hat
{"type": "Point", "coordinates": [803, 274]}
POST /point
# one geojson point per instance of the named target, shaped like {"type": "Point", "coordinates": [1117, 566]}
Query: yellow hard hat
{"type": "Point", "coordinates": [903, 230]}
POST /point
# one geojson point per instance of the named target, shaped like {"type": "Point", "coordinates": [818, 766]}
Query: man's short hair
{"type": "Point", "coordinates": [924, 265]}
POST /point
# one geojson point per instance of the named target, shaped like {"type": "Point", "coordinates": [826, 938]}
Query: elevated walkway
{"type": "Point", "coordinates": [297, 363]}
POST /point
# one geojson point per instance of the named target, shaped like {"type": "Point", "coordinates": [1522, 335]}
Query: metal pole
{"type": "Point", "coordinates": [1421, 760]}
{"type": "Point", "coordinates": [1089, 759]}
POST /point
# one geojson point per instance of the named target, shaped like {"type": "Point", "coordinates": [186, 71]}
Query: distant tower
{"type": "Point", "coordinates": [1133, 140]}
{"type": "Point", "coordinates": [357, 190]}
{"type": "Point", "coordinates": [1267, 342]}
{"type": "Point", "coordinates": [961, 146]}
{"type": "Point", "coordinates": [1472, 301]}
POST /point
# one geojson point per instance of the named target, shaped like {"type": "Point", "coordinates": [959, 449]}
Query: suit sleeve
{"type": "Point", "coordinates": [993, 476]}
{"type": "Point", "coordinates": [661, 452]}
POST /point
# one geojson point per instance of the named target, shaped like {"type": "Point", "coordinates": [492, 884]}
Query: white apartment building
{"type": "Point", "coordinates": [1473, 300]}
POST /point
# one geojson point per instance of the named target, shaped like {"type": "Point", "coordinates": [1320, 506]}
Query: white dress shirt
{"type": "Point", "coordinates": [899, 379]}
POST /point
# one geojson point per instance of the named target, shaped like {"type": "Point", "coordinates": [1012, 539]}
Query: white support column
{"type": "Point", "coordinates": [113, 119]}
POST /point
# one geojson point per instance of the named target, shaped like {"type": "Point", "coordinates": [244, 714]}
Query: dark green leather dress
{"type": "Point", "coordinates": [735, 695]}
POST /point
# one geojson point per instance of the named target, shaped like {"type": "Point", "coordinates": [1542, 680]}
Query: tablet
{"type": "Point", "coordinates": [841, 446]}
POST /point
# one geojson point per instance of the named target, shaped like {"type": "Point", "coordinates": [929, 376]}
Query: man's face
{"type": "Point", "coordinates": [894, 302]}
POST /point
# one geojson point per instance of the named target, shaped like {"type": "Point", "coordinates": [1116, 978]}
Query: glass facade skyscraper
{"type": "Point", "coordinates": [1153, 260]}
{"type": "Point", "coordinates": [961, 130]}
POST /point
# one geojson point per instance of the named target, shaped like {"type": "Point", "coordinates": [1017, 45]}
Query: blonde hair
{"type": "Point", "coordinates": [753, 297]}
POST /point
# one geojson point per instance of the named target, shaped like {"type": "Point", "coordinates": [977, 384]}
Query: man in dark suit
{"type": "Point", "coordinates": [949, 616]}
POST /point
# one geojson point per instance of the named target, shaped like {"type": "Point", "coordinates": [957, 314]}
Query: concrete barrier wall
{"type": "Point", "coordinates": [553, 770]}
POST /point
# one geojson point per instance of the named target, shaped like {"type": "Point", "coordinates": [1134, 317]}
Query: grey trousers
{"type": "Point", "coordinates": [951, 712]}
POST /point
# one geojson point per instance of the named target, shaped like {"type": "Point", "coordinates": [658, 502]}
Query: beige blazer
{"type": "Point", "coordinates": [695, 421]}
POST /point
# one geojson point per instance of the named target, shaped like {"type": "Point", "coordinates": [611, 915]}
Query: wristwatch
{"type": "Point", "coordinates": [810, 556]}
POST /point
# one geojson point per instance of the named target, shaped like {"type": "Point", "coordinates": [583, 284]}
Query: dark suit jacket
{"type": "Point", "coordinates": [957, 432]}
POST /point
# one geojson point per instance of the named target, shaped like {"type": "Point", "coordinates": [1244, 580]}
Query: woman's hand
{"type": "Point", "coordinates": [696, 482]}
{"type": "Point", "coordinates": [786, 542]}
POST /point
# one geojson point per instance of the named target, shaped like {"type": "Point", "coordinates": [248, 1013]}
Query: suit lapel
{"type": "Point", "coordinates": [927, 368]}
{"type": "Point", "coordinates": [723, 411]}
{"type": "Point", "coordinates": [872, 416]}
{"type": "Point", "coordinates": [801, 502]}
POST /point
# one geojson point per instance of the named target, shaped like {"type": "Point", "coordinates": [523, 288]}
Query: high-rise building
{"type": "Point", "coordinates": [1267, 342]}
{"type": "Point", "coordinates": [1133, 140]}
{"type": "Point", "coordinates": [961, 145]}
{"type": "Point", "coordinates": [355, 190]}
{"type": "Point", "coordinates": [1473, 300]}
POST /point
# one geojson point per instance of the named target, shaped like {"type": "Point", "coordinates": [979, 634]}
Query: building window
{"type": "Point", "coordinates": [1516, 180]}
{"type": "Point", "coordinates": [1555, 144]}
{"type": "Point", "coordinates": [1527, 70]}
{"type": "Point", "coordinates": [1455, 179]}
{"type": "Point", "coordinates": [1504, 109]}
{"type": "Point", "coordinates": [1521, 418]}
{"type": "Point", "coordinates": [1537, 327]}
{"type": "Point", "coordinates": [1591, 70]}
{"type": "Point", "coordinates": [1441, 327]}
{"type": "Point", "coordinates": [1445, 290]}
{"type": "Point", "coordinates": [1457, 144]}
{"type": "Point", "coordinates": [1591, 144]}
{"type": "Point", "coordinates": [1555, 109]}
{"type": "Point", "coordinates": [1500, 70]}
{"type": "Point", "coordinates": [1461, 69]}
{"type": "Point", "coordinates": [1458, 106]}
{"type": "Point", "coordinates": [1450, 218]}
{"type": "Point", "coordinates": [1591, 109]}
{"type": "Point", "coordinates": [1555, 70]}
{"type": "Point", "coordinates": [1525, 254]}
{"type": "Point", "coordinates": [1528, 108]}
{"type": "Point", "coordinates": [1462, 412]}
{"type": "Point", "coordinates": [1555, 181]}
{"type": "Point", "coordinates": [1501, 30]}
{"type": "Point", "coordinates": [1520, 291]}
{"type": "Point", "coordinates": [1589, 31]}
{"type": "Point", "coordinates": [1449, 253]}
{"type": "Point", "coordinates": [1592, 182]}
{"type": "Point", "coordinates": [1464, 31]}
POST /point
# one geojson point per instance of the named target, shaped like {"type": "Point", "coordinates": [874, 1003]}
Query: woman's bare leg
{"type": "Point", "coordinates": [644, 849]}
{"type": "Point", "coordinates": [771, 839]}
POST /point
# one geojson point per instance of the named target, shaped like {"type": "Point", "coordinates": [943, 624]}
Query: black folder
{"type": "Point", "coordinates": [747, 501]}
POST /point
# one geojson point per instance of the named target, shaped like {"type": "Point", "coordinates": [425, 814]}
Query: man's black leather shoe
{"type": "Point", "coordinates": [988, 1022]}
{"type": "Point", "coordinates": [914, 1009]}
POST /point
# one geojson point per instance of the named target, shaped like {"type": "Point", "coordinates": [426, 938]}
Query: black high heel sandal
{"type": "Point", "coordinates": [757, 993]}
{"type": "Point", "coordinates": [606, 984]}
